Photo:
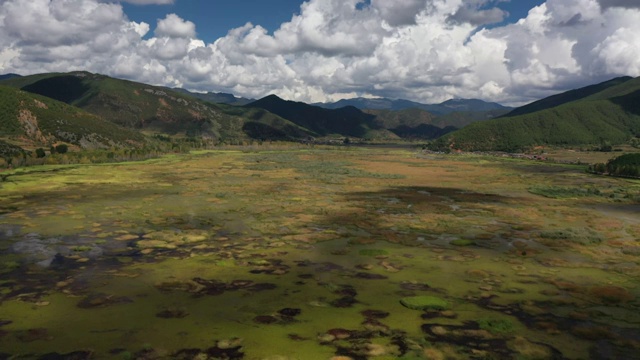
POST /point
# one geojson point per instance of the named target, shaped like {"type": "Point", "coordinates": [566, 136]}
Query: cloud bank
{"type": "Point", "coordinates": [422, 50]}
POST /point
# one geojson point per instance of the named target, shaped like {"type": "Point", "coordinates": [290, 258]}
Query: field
{"type": "Point", "coordinates": [316, 253]}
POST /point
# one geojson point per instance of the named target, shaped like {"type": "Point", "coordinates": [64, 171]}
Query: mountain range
{"type": "Point", "coordinates": [153, 109]}
{"type": "Point", "coordinates": [94, 111]}
{"type": "Point", "coordinates": [157, 110]}
{"type": "Point", "coordinates": [447, 107]}
{"type": "Point", "coordinates": [216, 98]}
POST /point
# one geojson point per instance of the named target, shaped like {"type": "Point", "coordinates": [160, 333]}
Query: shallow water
{"type": "Point", "coordinates": [307, 254]}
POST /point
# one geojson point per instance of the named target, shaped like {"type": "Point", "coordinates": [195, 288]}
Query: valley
{"type": "Point", "coordinates": [319, 180]}
{"type": "Point", "coordinates": [313, 252]}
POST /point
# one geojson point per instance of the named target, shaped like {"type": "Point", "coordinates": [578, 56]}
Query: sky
{"type": "Point", "coordinates": [507, 51]}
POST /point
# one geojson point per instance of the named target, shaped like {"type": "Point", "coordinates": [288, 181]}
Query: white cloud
{"type": "Point", "coordinates": [174, 26]}
{"type": "Point", "coordinates": [423, 50]}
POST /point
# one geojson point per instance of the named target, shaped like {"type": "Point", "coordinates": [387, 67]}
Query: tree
{"type": "Point", "coordinates": [40, 153]}
{"type": "Point", "coordinates": [62, 148]}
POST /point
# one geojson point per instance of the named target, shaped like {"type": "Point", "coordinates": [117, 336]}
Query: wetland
{"type": "Point", "coordinates": [319, 253]}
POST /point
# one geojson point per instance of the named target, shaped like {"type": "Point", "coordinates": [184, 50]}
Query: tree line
{"type": "Point", "coordinates": [627, 165]}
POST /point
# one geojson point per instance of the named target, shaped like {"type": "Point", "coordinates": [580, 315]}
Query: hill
{"type": "Point", "coordinates": [414, 116]}
{"type": "Point", "coordinates": [156, 109]}
{"type": "Point", "coordinates": [346, 121]}
{"type": "Point", "coordinates": [349, 121]}
{"type": "Point", "coordinates": [611, 114]}
{"type": "Point", "coordinates": [566, 97]}
{"type": "Point", "coordinates": [447, 107]}
{"type": "Point", "coordinates": [8, 76]}
{"type": "Point", "coordinates": [31, 121]}
{"type": "Point", "coordinates": [217, 98]}
{"type": "Point", "coordinates": [410, 123]}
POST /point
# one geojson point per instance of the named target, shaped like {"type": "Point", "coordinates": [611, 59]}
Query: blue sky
{"type": "Point", "coordinates": [326, 50]}
{"type": "Point", "coordinates": [214, 18]}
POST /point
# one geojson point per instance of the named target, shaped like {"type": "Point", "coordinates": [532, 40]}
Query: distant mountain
{"type": "Point", "coordinates": [410, 123]}
{"type": "Point", "coordinates": [8, 76]}
{"type": "Point", "coordinates": [471, 105]}
{"type": "Point", "coordinates": [607, 112]}
{"type": "Point", "coordinates": [179, 112]}
{"type": "Point", "coordinates": [155, 109]}
{"type": "Point", "coordinates": [447, 107]}
{"type": "Point", "coordinates": [217, 98]}
{"type": "Point", "coordinates": [347, 121]}
{"type": "Point", "coordinates": [372, 104]}
{"type": "Point", "coordinates": [34, 121]}
{"type": "Point", "coordinates": [415, 116]}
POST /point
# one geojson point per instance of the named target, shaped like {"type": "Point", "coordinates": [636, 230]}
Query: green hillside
{"type": "Point", "coordinates": [570, 96]}
{"type": "Point", "coordinates": [461, 119]}
{"type": "Point", "coordinates": [34, 120]}
{"type": "Point", "coordinates": [390, 119]}
{"type": "Point", "coordinates": [156, 109]}
{"type": "Point", "coordinates": [611, 115]}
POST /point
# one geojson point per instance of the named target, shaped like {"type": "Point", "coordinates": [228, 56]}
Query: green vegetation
{"type": "Point", "coordinates": [608, 116]}
{"type": "Point", "coordinates": [462, 242]}
{"type": "Point", "coordinates": [618, 193]}
{"type": "Point", "coordinates": [159, 110]}
{"type": "Point", "coordinates": [254, 249]}
{"type": "Point", "coordinates": [326, 169]}
{"type": "Point", "coordinates": [45, 121]}
{"type": "Point", "coordinates": [567, 97]}
{"type": "Point", "coordinates": [373, 252]}
{"type": "Point", "coordinates": [578, 236]}
{"type": "Point", "coordinates": [496, 326]}
{"type": "Point", "coordinates": [627, 165]}
{"type": "Point", "coordinates": [61, 149]}
{"type": "Point", "coordinates": [562, 192]}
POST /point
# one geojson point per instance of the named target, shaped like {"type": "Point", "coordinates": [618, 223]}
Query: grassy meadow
{"type": "Point", "coordinates": [319, 253]}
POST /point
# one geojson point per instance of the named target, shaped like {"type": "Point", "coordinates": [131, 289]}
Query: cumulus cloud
{"type": "Point", "coordinates": [174, 26]}
{"type": "Point", "coordinates": [422, 50]}
{"type": "Point", "coordinates": [399, 12]}
{"type": "Point", "coordinates": [475, 13]}
{"type": "Point", "coordinates": [629, 4]}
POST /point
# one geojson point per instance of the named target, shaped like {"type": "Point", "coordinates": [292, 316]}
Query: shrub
{"type": "Point", "coordinates": [62, 148]}
{"type": "Point", "coordinates": [496, 326]}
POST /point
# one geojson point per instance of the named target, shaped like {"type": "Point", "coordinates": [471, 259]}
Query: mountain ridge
{"type": "Point", "coordinates": [35, 120]}
{"type": "Point", "coordinates": [589, 117]}
{"type": "Point", "coordinates": [217, 97]}
{"type": "Point", "coordinates": [446, 107]}
{"type": "Point", "coordinates": [157, 109]}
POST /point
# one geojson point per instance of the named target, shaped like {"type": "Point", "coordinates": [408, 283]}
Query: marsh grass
{"type": "Point", "coordinates": [569, 192]}
{"type": "Point", "coordinates": [331, 232]}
